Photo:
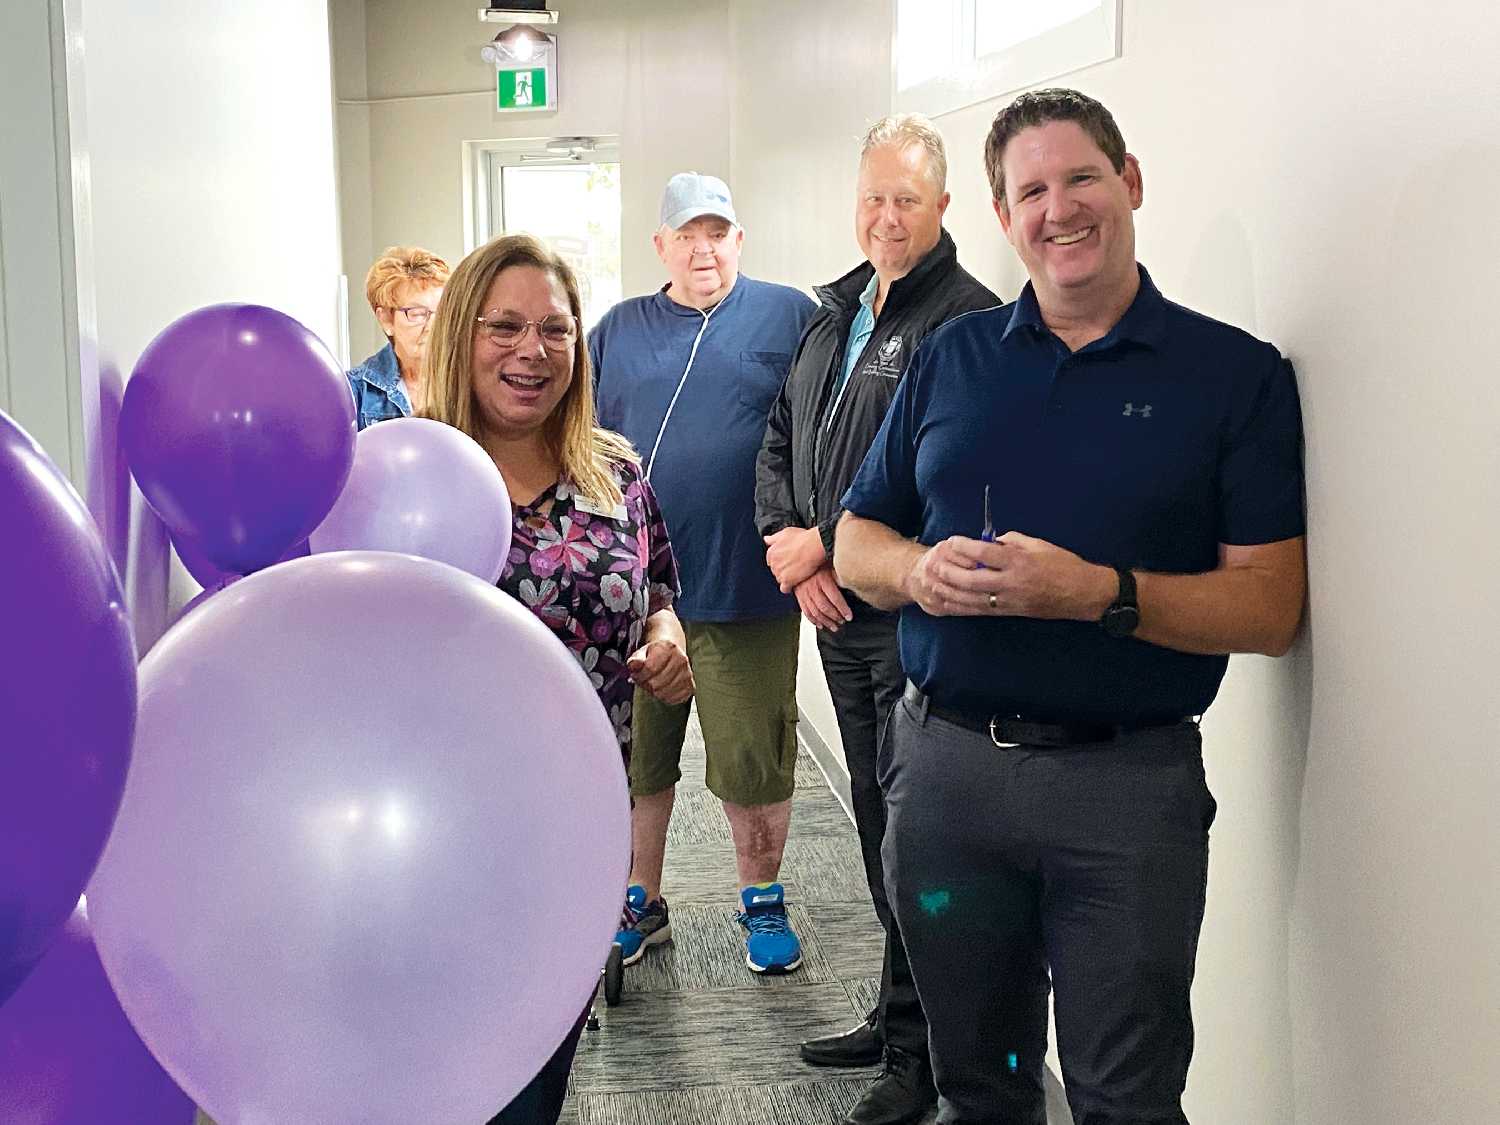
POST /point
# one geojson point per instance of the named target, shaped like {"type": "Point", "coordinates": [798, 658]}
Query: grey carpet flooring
{"type": "Point", "coordinates": [699, 1039]}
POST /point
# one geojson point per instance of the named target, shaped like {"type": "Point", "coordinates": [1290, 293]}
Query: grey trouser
{"type": "Point", "coordinates": [1090, 861]}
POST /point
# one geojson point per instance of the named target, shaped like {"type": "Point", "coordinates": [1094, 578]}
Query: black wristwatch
{"type": "Point", "coordinates": [1124, 613]}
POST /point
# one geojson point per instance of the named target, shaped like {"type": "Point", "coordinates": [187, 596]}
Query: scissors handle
{"type": "Point", "coordinates": [988, 534]}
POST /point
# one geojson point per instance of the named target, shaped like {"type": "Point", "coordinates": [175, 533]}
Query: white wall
{"type": "Point", "coordinates": [211, 156]}
{"type": "Point", "coordinates": [809, 79]}
{"type": "Point", "coordinates": [352, 136]}
{"type": "Point", "coordinates": [1317, 173]}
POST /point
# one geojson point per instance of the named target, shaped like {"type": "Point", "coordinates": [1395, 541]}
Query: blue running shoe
{"type": "Point", "coordinates": [641, 924]}
{"type": "Point", "coordinates": [770, 944]}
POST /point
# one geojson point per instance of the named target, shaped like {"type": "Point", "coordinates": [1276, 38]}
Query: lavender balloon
{"type": "Point", "coordinates": [68, 1055]}
{"type": "Point", "coordinates": [239, 428]}
{"type": "Point", "coordinates": [422, 488]}
{"type": "Point", "coordinates": [372, 850]}
{"type": "Point", "coordinates": [67, 700]}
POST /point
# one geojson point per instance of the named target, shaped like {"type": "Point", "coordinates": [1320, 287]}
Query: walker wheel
{"type": "Point", "coordinates": [614, 975]}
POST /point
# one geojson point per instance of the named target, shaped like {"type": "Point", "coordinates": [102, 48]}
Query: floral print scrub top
{"type": "Point", "coordinates": [593, 576]}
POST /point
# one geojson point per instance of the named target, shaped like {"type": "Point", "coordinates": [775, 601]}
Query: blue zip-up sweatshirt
{"type": "Point", "coordinates": [703, 468]}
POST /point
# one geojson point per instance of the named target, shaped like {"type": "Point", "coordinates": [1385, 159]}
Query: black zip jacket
{"type": "Point", "coordinates": [805, 465]}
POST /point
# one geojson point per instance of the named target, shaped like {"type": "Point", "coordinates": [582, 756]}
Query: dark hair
{"type": "Point", "coordinates": [1038, 108]}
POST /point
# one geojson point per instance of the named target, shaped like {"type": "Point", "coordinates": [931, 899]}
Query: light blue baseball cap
{"type": "Point", "coordinates": [691, 195]}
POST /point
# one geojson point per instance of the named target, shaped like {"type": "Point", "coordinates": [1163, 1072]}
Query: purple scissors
{"type": "Point", "coordinates": [988, 534]}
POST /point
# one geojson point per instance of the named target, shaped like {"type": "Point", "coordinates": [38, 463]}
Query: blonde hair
{"type": "Point", "coordinates": [586, 454]}
{"type": "Point", "coordinates": [902, 130]}
{"type": "Point", "coordinates": [398, 265]}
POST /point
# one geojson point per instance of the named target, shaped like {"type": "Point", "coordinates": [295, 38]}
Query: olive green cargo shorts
{"type": "Point", "coordinates": [745, 674]}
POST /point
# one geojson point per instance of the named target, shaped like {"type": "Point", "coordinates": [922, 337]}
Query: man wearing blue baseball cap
{"type": "Point", "coordinates": [688, 374]}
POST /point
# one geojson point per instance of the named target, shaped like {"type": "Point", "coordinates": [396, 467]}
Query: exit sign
{"type": "Point", "coordinates": [525, 72]}
{"type": "Point", "coordinates": [525, 88]}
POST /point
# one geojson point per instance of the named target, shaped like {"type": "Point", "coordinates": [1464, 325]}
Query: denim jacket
{"type": "Point", "coordinates": [378, 393]}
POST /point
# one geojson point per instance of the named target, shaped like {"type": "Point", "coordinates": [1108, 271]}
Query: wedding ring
{"type": "Point", "coordinates": [993, 603]}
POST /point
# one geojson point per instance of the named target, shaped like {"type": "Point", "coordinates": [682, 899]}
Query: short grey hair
{"type": "Point", "coordinates": [905, 129]}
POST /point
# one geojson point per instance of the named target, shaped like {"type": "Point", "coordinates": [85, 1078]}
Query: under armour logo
{"type": "Point", "coordinates": [1133, 411]}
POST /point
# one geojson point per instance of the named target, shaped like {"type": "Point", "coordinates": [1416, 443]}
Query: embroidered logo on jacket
{"type": "Point", "coordinates": [1133, 411]}
{"type": "Point", "coordinates": [889, 359]}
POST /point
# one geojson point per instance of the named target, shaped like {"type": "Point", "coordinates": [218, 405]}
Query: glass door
{"type": "Point", "coordinates": [567, 197]}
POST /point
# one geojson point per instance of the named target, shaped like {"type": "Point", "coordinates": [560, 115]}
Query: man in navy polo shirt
{"type": "Point", "coordinates": [1081, 502]}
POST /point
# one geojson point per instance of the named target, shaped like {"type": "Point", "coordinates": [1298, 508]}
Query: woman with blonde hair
{"type": "Point", "coordinates": [403, 288]}
{"type": "Point", "coordinates": [589, 551]}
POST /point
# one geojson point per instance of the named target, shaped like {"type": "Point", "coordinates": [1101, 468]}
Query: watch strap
{"type": "Point", "coordinates": [1123, 616]}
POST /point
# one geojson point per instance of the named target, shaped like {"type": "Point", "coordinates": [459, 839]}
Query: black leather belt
{"type": "Point", "coordinates": [1007, 731]}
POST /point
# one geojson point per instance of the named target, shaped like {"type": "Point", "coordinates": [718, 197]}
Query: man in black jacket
{"type": "Point", "coordinates": [843, 377]}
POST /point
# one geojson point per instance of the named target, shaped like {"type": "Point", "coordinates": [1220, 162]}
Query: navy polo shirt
{"type": "Point", "coordinates": [1146, 449]}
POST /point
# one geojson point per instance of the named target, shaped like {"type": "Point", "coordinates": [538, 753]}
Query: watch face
{"type": "Point", "coordinates": [1121, 620]}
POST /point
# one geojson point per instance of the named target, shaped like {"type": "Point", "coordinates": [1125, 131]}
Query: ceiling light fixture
{"type": "Point", "coordinates": [520, 43]}
{"type": "Point", "coordinates": [518, 11]}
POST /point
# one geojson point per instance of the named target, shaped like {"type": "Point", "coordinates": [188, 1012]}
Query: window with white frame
{"type": "Point", "coordinates": [952, 53]}
{"type": "Point", "coordinates": [563, 190]}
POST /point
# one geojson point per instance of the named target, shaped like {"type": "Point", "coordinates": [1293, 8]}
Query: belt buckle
{"type": "Point", "coordinates": [995, 737]}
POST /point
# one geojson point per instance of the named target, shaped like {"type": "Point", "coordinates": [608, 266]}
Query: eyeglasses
{"type": "Point", "coordinates": [414, 314]}
{"type": "Point", "coordinates": [557, 332]}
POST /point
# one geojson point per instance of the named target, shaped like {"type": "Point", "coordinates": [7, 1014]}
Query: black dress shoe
{"type": "Point", "coordinates": [859, 1046]}
{"type": "Point", "coordinates": [903, 1095]}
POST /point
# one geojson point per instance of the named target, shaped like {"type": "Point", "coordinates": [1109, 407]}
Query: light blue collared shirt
{"type": "Point", "coordinates": [859, 335]}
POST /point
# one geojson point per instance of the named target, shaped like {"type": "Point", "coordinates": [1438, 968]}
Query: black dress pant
{"type": "Point", "coordinates": [1091, 861]}
{"type": "Point", "coordinates": [541, 1102]}
{"type": "Point", "coordinates": [863, 669]}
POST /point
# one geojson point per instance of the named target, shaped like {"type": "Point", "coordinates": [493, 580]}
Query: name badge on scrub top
{"type": "Point", "coordinates": [584, 504]}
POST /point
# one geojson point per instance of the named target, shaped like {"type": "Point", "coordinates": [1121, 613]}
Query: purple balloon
{"type": "Point", "coordinates": [67, 700]}
{"type": "Point", "coordinates": [239, 428]}
{"type": "Point", "coordinates": [422, 488]}
{"type": "Point", "coordinates": [326, 904]}
{"type": "Point", "coordinates": [206, 574]}
{"type": "Point", "coordinates": [68, 1055]}
{"type": "Point", "coordinates": [196, 563]}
